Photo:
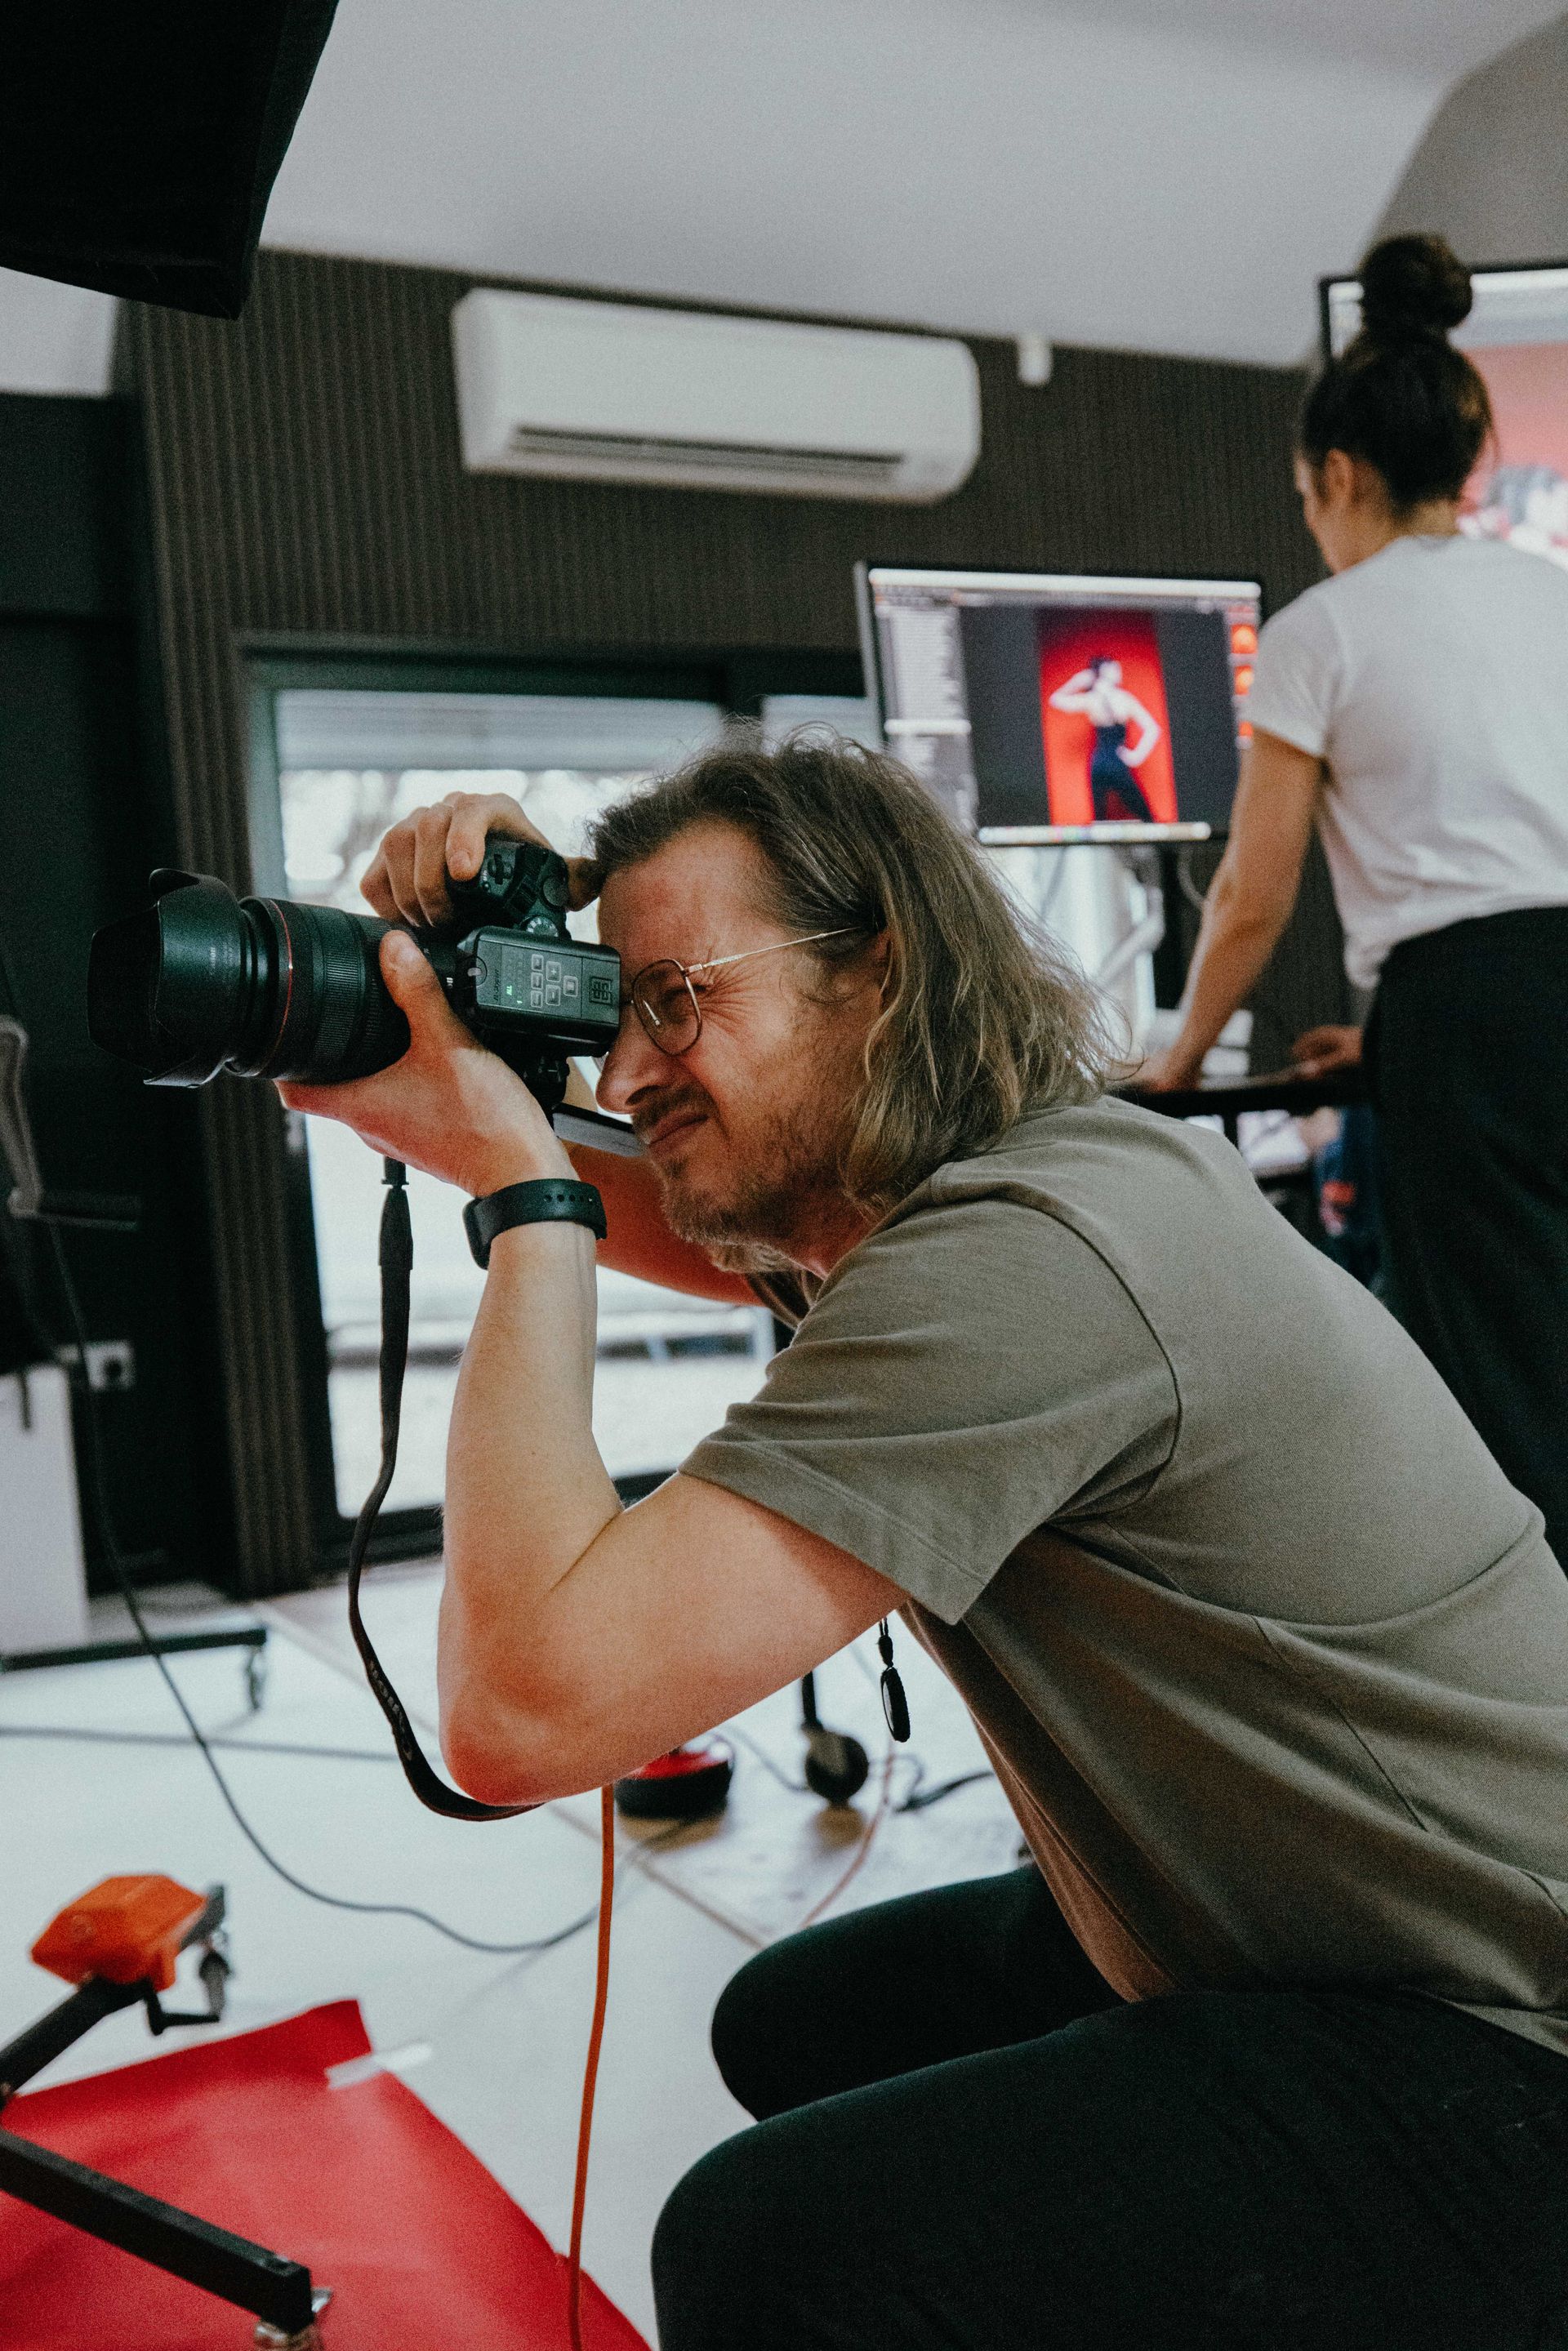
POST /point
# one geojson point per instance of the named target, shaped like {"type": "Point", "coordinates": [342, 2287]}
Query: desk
{"type": "Point", "coordinates": [1284, 1090]}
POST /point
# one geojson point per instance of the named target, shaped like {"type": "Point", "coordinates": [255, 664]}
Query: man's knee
{"type": "Point", "coordinates": [712, 2248]}
{"type": "Point", "coordinates": [750, 2028]}
{"type": "Point", "coordinates": [687, 2220]}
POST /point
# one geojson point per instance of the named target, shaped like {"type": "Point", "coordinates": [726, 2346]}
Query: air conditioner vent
{"type": "Point", "coordinates": [658, 454]}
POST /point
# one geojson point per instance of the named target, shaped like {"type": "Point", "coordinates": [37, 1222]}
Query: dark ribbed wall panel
{"type": "Point", "coordinates": [305, 480]}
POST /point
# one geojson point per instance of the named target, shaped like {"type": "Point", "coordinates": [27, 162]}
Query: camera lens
{"type": "Point", "coordinates": [327, 1014]}
{"type": "Point", "coordinates": [203, 981]}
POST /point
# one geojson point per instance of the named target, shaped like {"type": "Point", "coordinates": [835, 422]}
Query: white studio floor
{"type": "Point", "coordinates": [493, 2045]}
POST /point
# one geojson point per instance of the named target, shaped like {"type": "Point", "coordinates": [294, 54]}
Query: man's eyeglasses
{"type": "Point", "coordinates": [665, 1002]}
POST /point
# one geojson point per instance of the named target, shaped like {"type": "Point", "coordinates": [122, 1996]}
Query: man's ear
{"type": "Point", "coordinates": [840, 984]}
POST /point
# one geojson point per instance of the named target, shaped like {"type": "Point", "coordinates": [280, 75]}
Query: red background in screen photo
{"type": "Point", "coordinates": [1069, 642]}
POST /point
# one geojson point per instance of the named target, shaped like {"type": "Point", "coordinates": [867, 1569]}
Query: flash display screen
{"type": "Point", "coordinates": [551, 980]}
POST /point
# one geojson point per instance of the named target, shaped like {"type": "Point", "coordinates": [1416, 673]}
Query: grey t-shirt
{"type": "Point", "coordinates": [1271, 1659]}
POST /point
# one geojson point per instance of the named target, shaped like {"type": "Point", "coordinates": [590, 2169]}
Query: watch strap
{"type": "Point", "coordinates": [551, 1200]}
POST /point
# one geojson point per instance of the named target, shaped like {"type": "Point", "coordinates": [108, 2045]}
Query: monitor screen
{"type": "Point", "coordinates": [1044, 707]}
{"type": "Point", "coordinates": [1517, 335]}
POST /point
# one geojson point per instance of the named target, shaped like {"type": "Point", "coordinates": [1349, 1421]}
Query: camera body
{"type": "Point", "coordinates": [203, 981]}
{"type": "Point", "coordinates": [518, 978]}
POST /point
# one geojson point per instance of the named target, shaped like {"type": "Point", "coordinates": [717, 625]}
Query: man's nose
{"type": "Point", "coordinates": [632, 1065]}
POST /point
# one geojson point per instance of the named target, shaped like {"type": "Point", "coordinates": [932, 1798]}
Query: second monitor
{"type": "Point", "coordinates": [1046, 706]}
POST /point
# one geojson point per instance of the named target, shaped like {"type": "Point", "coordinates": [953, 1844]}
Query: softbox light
{"type": "Point", "coordinates": [140, 140]}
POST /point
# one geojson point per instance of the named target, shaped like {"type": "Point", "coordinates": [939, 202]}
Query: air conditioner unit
{"type": "Point", "coordinates": [611, 392]}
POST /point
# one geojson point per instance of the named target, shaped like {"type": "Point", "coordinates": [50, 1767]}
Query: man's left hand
{"type": "Point", "coordinates": [449, 1106]}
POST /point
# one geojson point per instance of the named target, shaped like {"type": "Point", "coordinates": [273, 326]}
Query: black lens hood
{"type": "Point", "coordinates": [167, 986]}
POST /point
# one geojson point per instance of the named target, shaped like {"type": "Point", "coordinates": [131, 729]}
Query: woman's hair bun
{"type": "Point", "coordinates": [1412, 286]}
{"type": "Point", "coordinates": [1402, 397]}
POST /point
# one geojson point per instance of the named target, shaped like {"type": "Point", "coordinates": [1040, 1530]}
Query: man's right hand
{"type": "Point", "coordinates": [408, 875]}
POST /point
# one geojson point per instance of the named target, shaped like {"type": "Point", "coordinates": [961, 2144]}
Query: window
{"type": "Point", "coordinates": [348, 762]}
{"type": "Point", "coordinates": [844, 714]}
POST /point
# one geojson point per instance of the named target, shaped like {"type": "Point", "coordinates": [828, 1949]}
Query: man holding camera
{"type": "Point", "coordinates": [1271, 2048]}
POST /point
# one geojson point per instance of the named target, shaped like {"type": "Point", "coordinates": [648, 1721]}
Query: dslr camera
{"type": "Point", "coordinates": [201, 981]}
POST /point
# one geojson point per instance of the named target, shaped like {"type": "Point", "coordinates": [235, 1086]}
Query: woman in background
{"type": "Point", "coordinates": [1096, 692]}
{"type": "Point", "coordinates": [1415, 706]}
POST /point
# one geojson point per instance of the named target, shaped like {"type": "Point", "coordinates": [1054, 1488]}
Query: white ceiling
{"type": "Point", "coordinates": [1168, 175]}
{"type": "Point", "coordinates": [1446, 38]}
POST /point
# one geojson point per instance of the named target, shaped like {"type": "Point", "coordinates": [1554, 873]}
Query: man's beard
{"type": "Point", "coordinates": [753, 1228]}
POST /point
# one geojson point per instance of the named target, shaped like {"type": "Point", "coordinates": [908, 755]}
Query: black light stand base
{"type": "Point", "coordinates": [251, 1637]}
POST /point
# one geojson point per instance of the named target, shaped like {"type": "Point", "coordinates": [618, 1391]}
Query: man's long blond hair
{"type": "Point", "coordinates": [985, 1016]}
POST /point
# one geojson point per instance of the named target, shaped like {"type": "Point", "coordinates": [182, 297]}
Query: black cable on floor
{"type": "Point", "coordinates": [98, 1480]}
{"type": "Point", "coordinates": [99, 1484]}
{"type": "Point", "coordinates": [920, 1799]}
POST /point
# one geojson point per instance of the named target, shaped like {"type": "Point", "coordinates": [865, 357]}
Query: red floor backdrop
{"type": "Point", "coordinates": [1067, 644]}
{"type": "Point", "coordinates": [424, 2250]}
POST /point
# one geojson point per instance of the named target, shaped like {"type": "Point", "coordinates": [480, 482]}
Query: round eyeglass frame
{"type": "Point", "coordinates": [649, 1019]}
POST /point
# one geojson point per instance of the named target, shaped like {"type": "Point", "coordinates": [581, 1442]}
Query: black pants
{"type": "Point", "coordinates": [970, 2145]}
{"type": "Point", "coordinates": [1467, 1058]}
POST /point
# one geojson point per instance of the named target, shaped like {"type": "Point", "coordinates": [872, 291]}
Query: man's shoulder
{"type": "Point", "coordinates": [1103, 1177]}
{"type": "Point", "coordinates": [1090, 1152]}
{"type": "Point", "coordinates": [1071, 1198]}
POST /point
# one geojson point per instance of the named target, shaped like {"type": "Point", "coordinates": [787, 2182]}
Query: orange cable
{"type": "Point", "coordinates": [590, 2068]}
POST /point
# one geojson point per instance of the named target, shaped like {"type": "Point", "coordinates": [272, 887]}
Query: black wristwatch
{"type": "Point", "coordinates": [552, 1201]}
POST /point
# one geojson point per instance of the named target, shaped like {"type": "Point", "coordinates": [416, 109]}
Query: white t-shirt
{"type": "Point", "coordinates": [1432, 680]}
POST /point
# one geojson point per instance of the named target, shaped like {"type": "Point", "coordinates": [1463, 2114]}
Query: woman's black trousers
{"type": "Point", "coordinates": [1467, 1060]}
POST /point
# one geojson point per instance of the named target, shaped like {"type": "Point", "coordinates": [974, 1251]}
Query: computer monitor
{"type": "Point", "coordinates": [1057, 706]}
{"type": "Point", "coordinates": [1517, 335]}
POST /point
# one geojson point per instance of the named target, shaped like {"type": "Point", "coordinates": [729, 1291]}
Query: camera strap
{"type": "Point", "coordinates": [396, 1266]}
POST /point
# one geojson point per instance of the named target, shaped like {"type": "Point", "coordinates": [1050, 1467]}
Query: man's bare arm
{"type": "Point", "coordinates": [579, 1639]}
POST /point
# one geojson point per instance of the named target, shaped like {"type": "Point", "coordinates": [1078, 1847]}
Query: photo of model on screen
{"type": "Point", "coordinates": [1096, 692]}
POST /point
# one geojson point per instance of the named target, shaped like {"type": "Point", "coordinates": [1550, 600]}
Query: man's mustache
{"type": "Point", "coordinates": [649, 1114]}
